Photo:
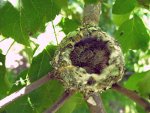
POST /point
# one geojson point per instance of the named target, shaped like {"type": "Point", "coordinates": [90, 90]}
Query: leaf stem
{"type": "Point", "coordinates": [132, 95]}
{"type": "Point", "coordinates": [55, 32]}
{"type": "Point", "coordinates": [10, 47]}
{"type": "Point", "coordinates": [27, 89]}
{"type": "Point", "coordinates": [3, 39]}
{"type": "Point", "coordinates": [58, 104]}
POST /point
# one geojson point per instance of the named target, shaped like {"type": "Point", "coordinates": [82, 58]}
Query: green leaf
{"type": "Point", "coordinates": [20, 82]}
{"type": "Point", "coordinates": [40, 99]}
{"type": "Point", "coordinates": [45, 96]}
{"type": "Point", "coordinates": [139, 82]}
{"type": "Point", "coordinates": [69, 24]}
{"type": "Point", "coordinates": [27, 18]}
{"type": "Point", "coordinates": [132, 82]}
{"type": "Point", "coordinates": [144, 85]}
{"type": "Point", "coordinates": [132, 34]}
{"type": "Point", "coordinates": [36, 13]}
{"type": "Point", "coordinates": [75, 104]}
{"type": "Point", "coordinates": [81, 108]}
{"type": "Point", "coordinates": [61, 3]}
{"type": "Point", "coordinates": [81, 105]}
{"type": "Point", "coordinates": [11, 26]}
{"type": "Point", "coordinates": [21, 105]}
{"type": "Point", "coordinates": [3, 79]}
{"type": "Point", "coordinates": [90, 1]}
{"type": "Point", "coordinates": [123, 6]}
{"type": "Point", "coordinates": [115, 101]}
{"type": "Point", "coordinates": [119, 19]}
{"type": "Point", "coordinates": [41, 63]}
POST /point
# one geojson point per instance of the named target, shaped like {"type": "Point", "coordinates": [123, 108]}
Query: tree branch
{"type": "Point", "coordinates": [91, 14]}
{"type": "Point", "coordinates": [58, 104]}
{"type": "Point", "coordinates": [95, 103]}
{"type": "Point", "coordinates": [132, 95]}
{"type": "Point", "coordinates": [27, 89]}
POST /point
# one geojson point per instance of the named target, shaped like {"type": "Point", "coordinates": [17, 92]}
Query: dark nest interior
{"type": "Point", "coordinates": [90, 53]}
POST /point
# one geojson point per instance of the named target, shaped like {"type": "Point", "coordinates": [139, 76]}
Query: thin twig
{"type": "Point", "coordinates": [55, 32]}
{"type": "Point", "coordinates": [132, 95]}
{"type": "Point", "coordinates": [58, 104]}
{"type": "Point", "coordinates": [10, 47]}
{"type": "Point", "coordinates": [27, 89]}
{"type": "Point", "coordinates": [95, 103]}
{"type": "Point", "coordinates": [3, 39]}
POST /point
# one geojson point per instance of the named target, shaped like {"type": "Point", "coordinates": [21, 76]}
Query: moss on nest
{"type": "Point", "coordinates": [89, 60]}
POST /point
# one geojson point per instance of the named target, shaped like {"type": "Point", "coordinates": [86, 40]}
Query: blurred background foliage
{"type": "Point", "coordinates": [30, 31]}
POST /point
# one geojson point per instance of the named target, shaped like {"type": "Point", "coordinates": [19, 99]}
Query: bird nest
{"type": "Point", "coordinates": [89, 60]}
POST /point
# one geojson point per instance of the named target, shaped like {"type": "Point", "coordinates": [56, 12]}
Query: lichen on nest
{"type": "Point", "coordinates": [89, 60]}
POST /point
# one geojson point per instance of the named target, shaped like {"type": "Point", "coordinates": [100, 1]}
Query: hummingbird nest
{"type": "Point", "coordinates": [89, 60]}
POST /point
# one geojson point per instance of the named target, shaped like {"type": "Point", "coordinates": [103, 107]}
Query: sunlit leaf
{"type": "Point", "coordinates": [41, 64]}
{"type": "Point", "coordinates": [144, 85]}
{"type": "Point", "coordinates": [132, 82]}
{"type": "Point", "coordinates": [119, 19]}
{"type": "Point", "coordinates": [139, 82]}
{"type": "Point", "coordinates": [11, 26]}
{"type": "Point", "coordinates": [123, 6]}
{"type": "Point", "coordinates": [132, 34]}
{"type": "Point", "coordinates": [27, 18]}
{"type": "Point", "coordinates": [69, 25]}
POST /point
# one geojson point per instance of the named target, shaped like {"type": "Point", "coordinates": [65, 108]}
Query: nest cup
{"type": "Point", "coordinates": [89, 60]}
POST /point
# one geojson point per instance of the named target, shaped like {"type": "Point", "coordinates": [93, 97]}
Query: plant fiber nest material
{"type": "Point", "coordinates": [89, 60]}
